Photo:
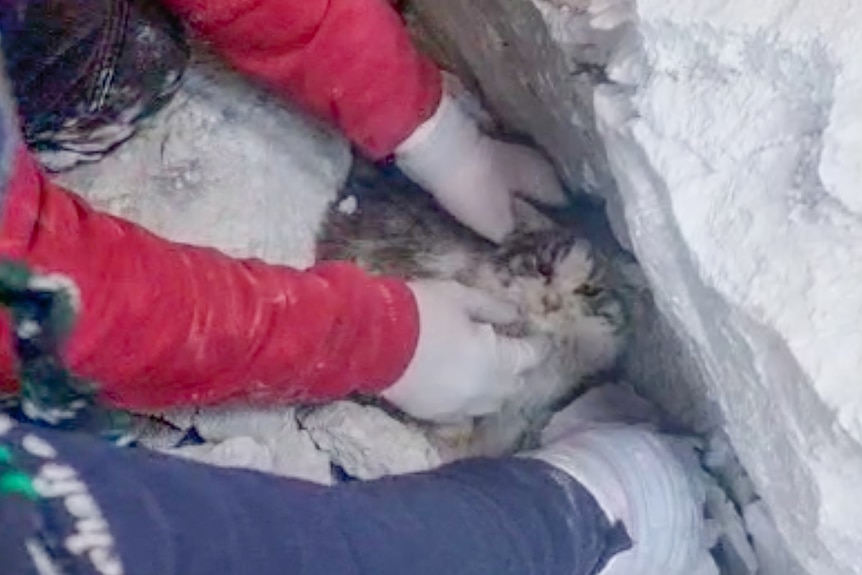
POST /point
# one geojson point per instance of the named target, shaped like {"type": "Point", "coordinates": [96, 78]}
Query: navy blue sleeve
{"type": "Point", "coordinates": [134, 511]}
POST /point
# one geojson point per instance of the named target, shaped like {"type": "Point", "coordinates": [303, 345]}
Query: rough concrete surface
{"type": "Point", "coordinates": [224, 165]}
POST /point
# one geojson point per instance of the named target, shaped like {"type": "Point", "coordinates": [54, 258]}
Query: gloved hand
{"type": "Point", "coordinates": [473, 176]}
{"type": "Point", "coordinates": [638, 477]}
{"type": "Point", "coordinates": [461, 367]}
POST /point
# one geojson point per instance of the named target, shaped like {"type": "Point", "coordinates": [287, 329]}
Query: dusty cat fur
{"type": "Point", "coordinates": [385, 224]}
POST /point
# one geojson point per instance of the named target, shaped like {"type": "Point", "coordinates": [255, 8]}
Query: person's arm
{"type": "Point", "coordinates": [168, 324]}
{"type": "Point", "coordinates": [147, 514]}
{"type": "Point", "coordinates": [164, 324]}
{"type": "Point", "coordinates": [352, 62]}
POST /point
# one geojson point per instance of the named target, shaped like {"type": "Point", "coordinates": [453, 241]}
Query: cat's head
{"type": "Point", "coordinates": [568, 267]}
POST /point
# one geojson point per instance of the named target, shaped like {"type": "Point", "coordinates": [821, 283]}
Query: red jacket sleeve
{"type": "Point", "coordinates": [166, 324]}
{"type": "Point", "coordinates": [347, 61]}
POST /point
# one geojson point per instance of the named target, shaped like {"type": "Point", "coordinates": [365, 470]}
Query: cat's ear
{"type": "Point", "coordinates": [529, 219]}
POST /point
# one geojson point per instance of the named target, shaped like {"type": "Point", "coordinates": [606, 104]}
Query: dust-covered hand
{"type": "Point", "coordinates": [473, 176]}
{"type": "Point", "coordinates": [644, 479]}
{"type": "Point", "coordinates": [462, 367]}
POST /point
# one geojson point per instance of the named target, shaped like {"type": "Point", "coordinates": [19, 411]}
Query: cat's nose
{"type": "Point", "coordinates": [546, 269]}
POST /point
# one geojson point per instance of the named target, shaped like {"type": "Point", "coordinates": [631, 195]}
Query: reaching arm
{"type": "Point", "coordinates": [347, 61]}
{"type": "Point", "coordinates": [169, 324]}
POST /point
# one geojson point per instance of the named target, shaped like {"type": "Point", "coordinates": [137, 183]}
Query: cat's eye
{"type": "Point", "coordinates": [588, 290]}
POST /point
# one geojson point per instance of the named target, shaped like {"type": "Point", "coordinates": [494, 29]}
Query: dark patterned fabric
{"type": "Point", "coordinates": [43, 311]}
{"type": "Point", "coordinates": [84, 71]}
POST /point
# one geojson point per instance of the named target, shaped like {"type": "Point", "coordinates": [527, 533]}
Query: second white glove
{"type": "Point", "coordinates": [461, 367]}
{"type": "Point", "coordinates": [474, 177]}
{"type": "Point", "coordinates": [642, 478]}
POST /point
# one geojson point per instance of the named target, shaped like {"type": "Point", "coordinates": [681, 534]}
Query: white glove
{"type": "Point", "coordinates": [461, 367]}
{"type": "Point", "coordinates": [639, 477]}
{"type": "Point", "coordinates": [473, 176]}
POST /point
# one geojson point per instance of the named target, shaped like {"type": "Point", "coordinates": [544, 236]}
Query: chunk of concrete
{"type": "Point", "coordinates": [226, 166]}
